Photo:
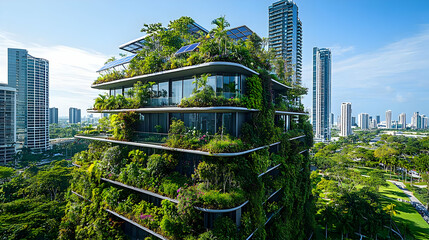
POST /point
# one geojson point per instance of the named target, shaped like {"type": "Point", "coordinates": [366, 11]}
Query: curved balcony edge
{"type": "Point", "coordinates": [222, 109]}
{"type": "Point", "coordinates": [173, 200]}
{"type": "Point", "coordinates": [251, 235]}
{"type": "Point", "coordinates": [295, 138]}
{"type": "Point", "coordinates": [136, 224]}
{"type": "Point", "coordinates": [290, 113]}
{"type": "Point", "coordinates": [174, 73]}
{"type": "Point", "coordinates": [125, 219]}
{"type": "Point", "coordinates": [198, 152]}
{"type": "Point", "coordinates": [140, 190]}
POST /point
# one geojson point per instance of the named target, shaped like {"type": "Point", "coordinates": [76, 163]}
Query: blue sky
{"type": "Point", "coordinates": [380, 48]}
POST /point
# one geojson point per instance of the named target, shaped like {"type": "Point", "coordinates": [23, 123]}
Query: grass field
{"type": "Point", "coordinates": [393, 192]}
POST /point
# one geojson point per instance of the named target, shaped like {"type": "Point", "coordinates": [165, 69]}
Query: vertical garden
{"type": "Point", "coordinates": [206, 144]}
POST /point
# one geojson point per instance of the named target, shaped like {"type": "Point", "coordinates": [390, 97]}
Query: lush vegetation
{"type": "Point", "coordinates": [137, 97]}
{"type": "Point", "coordinates": [32, 202]}
{"type": "Point", "coordinates": [283, 195]}
{"type": "Point", "coordinates": [69, 131]}
{"type": "Point", "coordinates": [159, 52]}
{"type": "Point", "coordinates": [352, 194]}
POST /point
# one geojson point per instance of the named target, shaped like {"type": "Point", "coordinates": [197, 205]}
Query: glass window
{"type": "Point", "coordinates": [211, 81]}
{"type": "Point", "coordinates": [176, 91]}
{"type": "Point", "coordinates": [188, 87]}
{"type": "Point", "coordinates": [219, 85]}
{"type": "Point", "coordinates": [163, 94]}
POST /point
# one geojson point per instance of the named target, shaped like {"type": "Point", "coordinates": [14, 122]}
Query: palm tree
{"type": "Point", "coordinates": [390, 209]}
{"type": "Point", "coordinates": [220, 31]}
{"type": "Point", "coordinates": [100, 102]}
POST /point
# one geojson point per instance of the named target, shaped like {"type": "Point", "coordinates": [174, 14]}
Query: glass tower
{"type": "Point", "coordinates": [321, 93]}
{"type": "Point", "coordinates": [30, 77]}
{"type": "Point", "coordinates": [7, 123]}
{"type": "Point", "coordinates": [285, 35]}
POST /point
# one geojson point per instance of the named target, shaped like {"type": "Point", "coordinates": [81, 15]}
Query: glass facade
{"type": "Point", "coordinates": [7, 124]}
{"type": "Point", "coordinates": [321, 93]}
{"type": "Point", "coordinates": [171, 92]}
{"type": "Point", "coordinates": [209, 123]}
{"type": "Point", "coordinates": [30, 77]}
{"type": "Point", "coordinates": [285, 35]}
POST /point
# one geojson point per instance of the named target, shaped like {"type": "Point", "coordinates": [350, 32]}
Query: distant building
{"type": "Point", "coordinates": [53, 115]}
{"type": "Point", "coordinates": [389, 119]}
{"type": "Point", "coordinates": [373, 123]}
{"type": "Point", "coordinates": [378, 119]}
{"type": "Point", "coordinates": [424, 122]}
{"type": "Point", "coordinates": [285, 35]}
{"type": "Point", "coordinates": [321, 93]}
{"type": "Point", "coordinates": [74, 115]}
{"type": "Point", "coordinates": [30, 77]}
{"type": "Point", "coordinates": [416, 121]}
{"type": "Point", "coordinates": [346, 119]}
{"type": "Point", "coordinates": [403, 120]}
{"type": "Point", "coordinates": [7, 123]}
{"type": "Point", "coordinates": [363, 120]}
{"type": "Point", "coordinates": [331, 121]}
{"type": "Point", "coordinates": [354, 121]}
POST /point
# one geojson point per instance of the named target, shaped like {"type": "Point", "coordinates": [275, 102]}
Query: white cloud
{"type": "Point", "coordinates": [72, 71]}
{"type": "Point", "coordinates": [338, 50]}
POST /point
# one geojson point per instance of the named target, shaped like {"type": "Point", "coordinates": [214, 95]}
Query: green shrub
{"type": "Point", "coordinates": [159, 165]}
{"type": "Point", "coordinates": [216, 199]}
{"type": "Point", "coordinates": [224, 145]}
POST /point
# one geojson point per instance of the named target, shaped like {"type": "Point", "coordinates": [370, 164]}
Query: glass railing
{"type": "Point", "coordinates": [151, 137]}
{"type": "Point", "coordinates": [163, 102]}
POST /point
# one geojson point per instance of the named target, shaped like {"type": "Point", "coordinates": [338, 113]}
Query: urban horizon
{"type": "Point", "coordinates": [380, 87]}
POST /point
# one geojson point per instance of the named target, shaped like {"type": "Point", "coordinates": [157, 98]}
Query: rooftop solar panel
{"type": "Point", "coordinates": [187, 48]}
{"type": "Point", "coordinates": [117, 63]}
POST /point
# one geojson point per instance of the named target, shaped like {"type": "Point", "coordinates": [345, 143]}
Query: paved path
{"type": "Point", "coordinates": [414, 201]}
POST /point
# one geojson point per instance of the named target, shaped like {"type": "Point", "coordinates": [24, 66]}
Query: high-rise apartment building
{"type": "Point", "coordinates": [285, 35]}
{"type": "Point", "coordinates": [321, 93]}
{"type": "Point", "coordinates": [403, 120]}
{"type": "Point", "coordinates": [346, 119]}
{"type": "Point", "coordinates": [74, 115]}
{"type": "Point", "coordinates": [157, 123]}
{"type": "Point", "coordinates": [378, 119]}
{"type": "Point", "coordinates": [363, 120]}
{"type": "Point", "coordinates": [389, 119]}
{"type": "Point", "coordinates": [373, 123]}
{"type": "Point", "coordinates": [30, 77]}
{"type": "Point", "coordinates": [424, 122]}
{"type": "Point", "coordinates": [7, 123]}
{"type": "Point", "coordinates": [354, 121]}
{"type": "Point", "coordinates": [53, 115]}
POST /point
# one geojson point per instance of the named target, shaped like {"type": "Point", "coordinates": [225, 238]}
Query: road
{"type": "Point", "coordinates": [414, 201]}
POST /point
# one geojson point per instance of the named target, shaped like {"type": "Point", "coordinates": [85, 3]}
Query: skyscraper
{"type": "Point", "coordinates": [363, 120]}
{"type": "Point", "coordinates": [30, 77]}
{"type": "Point", "coordinates": [354, 121]}
{"type": "Point", "coordinates": [7, 123]}
{"type": "Point", "coordinates": [378, 119]}
{"type": "Point", "coordinates": [403, 120]}
{"type": "Point", "coordinates": [389, 119]}
{"type": "Point", "coordinates": [321, 93]}
{"type": "Point", "coordinates": [285, 35]}
{"type": "Point", "coordinates": [53, 115]}
{"type": "Point", "coordinates": [346, 119]}
{"type": "Point", "coordinates": [74, 115]}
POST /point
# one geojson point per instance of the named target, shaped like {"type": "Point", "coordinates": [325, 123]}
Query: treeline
{"type": "Point", "coordinates": [32, 201]}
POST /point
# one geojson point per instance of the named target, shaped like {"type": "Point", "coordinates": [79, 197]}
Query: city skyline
{"type": "Point", "coordinates": [364, 70]}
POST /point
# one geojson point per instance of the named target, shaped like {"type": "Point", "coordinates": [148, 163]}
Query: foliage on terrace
{"type": "Point", "coordinates": [203, 95]}
{"type": "Point", "coordinates": [136, 97]}
{"type": "Point", "coordinates": [160, 48]}
{"type": "Point", "coordinates": [215, 182]}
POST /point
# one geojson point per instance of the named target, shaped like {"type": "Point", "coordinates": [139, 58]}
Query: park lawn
{"type": "Point", "coordinates": [408, 215]}
{"type": "Point", "coordinates": [387, 175]}
{"type": "Point", "coordinates": [394, 192]}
